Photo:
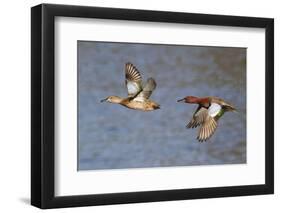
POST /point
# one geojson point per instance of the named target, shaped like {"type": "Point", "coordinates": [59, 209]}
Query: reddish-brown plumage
{"type": "Point", "coordinates": [195, 100]}
{"type": "Point", "coordinates": [205, 101]}
{"type": "Point", "coordinates": [207, 114]}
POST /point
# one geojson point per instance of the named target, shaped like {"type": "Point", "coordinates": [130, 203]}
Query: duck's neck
{"type": "Point", "coordinates": [204, 102]}
{"type": "Point", "coordinates": [116, 100]}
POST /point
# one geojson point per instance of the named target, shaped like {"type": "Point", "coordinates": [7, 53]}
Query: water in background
{"type": "Point", "coordinates": [114, 137]}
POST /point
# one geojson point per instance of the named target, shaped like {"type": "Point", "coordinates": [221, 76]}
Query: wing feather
{"type": "Point", "coordinates": [147, 90]}
{"type": "Point", "coordinates": [206, 119]}
{"type": "Point", "coordinates": [133, 80]}
{"type": "Point", "coordinates": [198, 117]}
{"type": "Point", "coordinates": [207, 129]}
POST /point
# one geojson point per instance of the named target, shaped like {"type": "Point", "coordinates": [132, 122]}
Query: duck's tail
{"type": "Point", "coordinates": [230, 108]}
{"type": "Point", "coordinates": [156, 106]}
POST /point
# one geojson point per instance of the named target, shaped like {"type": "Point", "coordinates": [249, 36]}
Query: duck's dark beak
{"type": "Point", "coordinates": [103, 100]}
{"type": "Point", "coordinates": [181, 100]}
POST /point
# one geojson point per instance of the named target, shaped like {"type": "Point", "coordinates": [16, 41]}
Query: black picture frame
{"type": "Point", "coordinates": [43, 102]}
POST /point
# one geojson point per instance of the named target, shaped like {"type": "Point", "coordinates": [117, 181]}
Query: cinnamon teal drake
{"type": "Point", "coordinates": [210, 110]}
{"type": "Point", "coordinates": [138, 95]}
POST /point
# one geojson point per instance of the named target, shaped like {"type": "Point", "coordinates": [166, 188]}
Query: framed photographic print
{"type": "Point", "coordinates": [139, 106]}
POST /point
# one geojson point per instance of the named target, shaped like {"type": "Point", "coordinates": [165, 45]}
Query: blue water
{"type": "Point", "coordinates": [115, 137]}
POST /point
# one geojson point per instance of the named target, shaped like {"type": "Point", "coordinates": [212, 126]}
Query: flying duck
{"type": "Point", "coordinates": [210, 109]}
{"type": "Point", "coordinates": [138, 94]}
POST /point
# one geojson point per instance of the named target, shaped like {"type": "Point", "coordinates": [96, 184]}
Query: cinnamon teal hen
{"type": "Point", "coordinates": [138, 95]}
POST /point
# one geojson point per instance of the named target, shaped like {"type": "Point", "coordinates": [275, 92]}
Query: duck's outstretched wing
{"type": "Point", "coordinates": [147, 90]}
{"type": "Point", "coordinates": [133, 80]}
{"type": "Point", "coordinates": [207, 129]}
{"type": "Point", "coordinates": [206, 119]}
{"type": "Point", "coordinates": [198, 117]}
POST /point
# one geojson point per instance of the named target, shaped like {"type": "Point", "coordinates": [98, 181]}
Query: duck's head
{"type": "Point", "coordinates": [204, 102]}
{"type": "Point", "coordinates": [112, 99]}
{"type": "Point", "coordinates": [189, 99]}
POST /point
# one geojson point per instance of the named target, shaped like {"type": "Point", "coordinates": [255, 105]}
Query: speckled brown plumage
{"type": "Point", "coordinates": [138, 96]}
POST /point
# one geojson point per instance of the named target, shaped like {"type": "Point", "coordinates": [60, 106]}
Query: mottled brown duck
{"type": "Point", "coordinates": [138, 95]}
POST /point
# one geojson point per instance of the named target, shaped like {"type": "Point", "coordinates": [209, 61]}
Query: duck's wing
{"type": "Point", "coordinates": [209, 124]}
{"type": "Point", "coordinates": [207, 129]}
{"type": "Point", "coordinates": [198, 117]}
{"type": "Point", "coordinates": [147, 90]}
{"type": "Point", "coordinates": [133, 80]}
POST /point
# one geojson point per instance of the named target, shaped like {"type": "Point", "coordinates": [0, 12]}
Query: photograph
{"type": "Point", "coordinates": [146, 105]}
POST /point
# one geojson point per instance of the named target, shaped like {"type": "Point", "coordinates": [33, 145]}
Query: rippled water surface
{"type": "Point", "coordinates": [114, 137]}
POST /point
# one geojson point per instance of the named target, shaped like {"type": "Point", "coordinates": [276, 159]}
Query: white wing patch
{"type": "Point", "coordinates": [214, 109]}
{"type": "Point", "coordinates": [133, 88]}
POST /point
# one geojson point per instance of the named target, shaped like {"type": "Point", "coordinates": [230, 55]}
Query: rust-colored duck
{"type": "Point", "coordinates": [138, 96]}
{"type": "Point", "coordinates": [210, 110]}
